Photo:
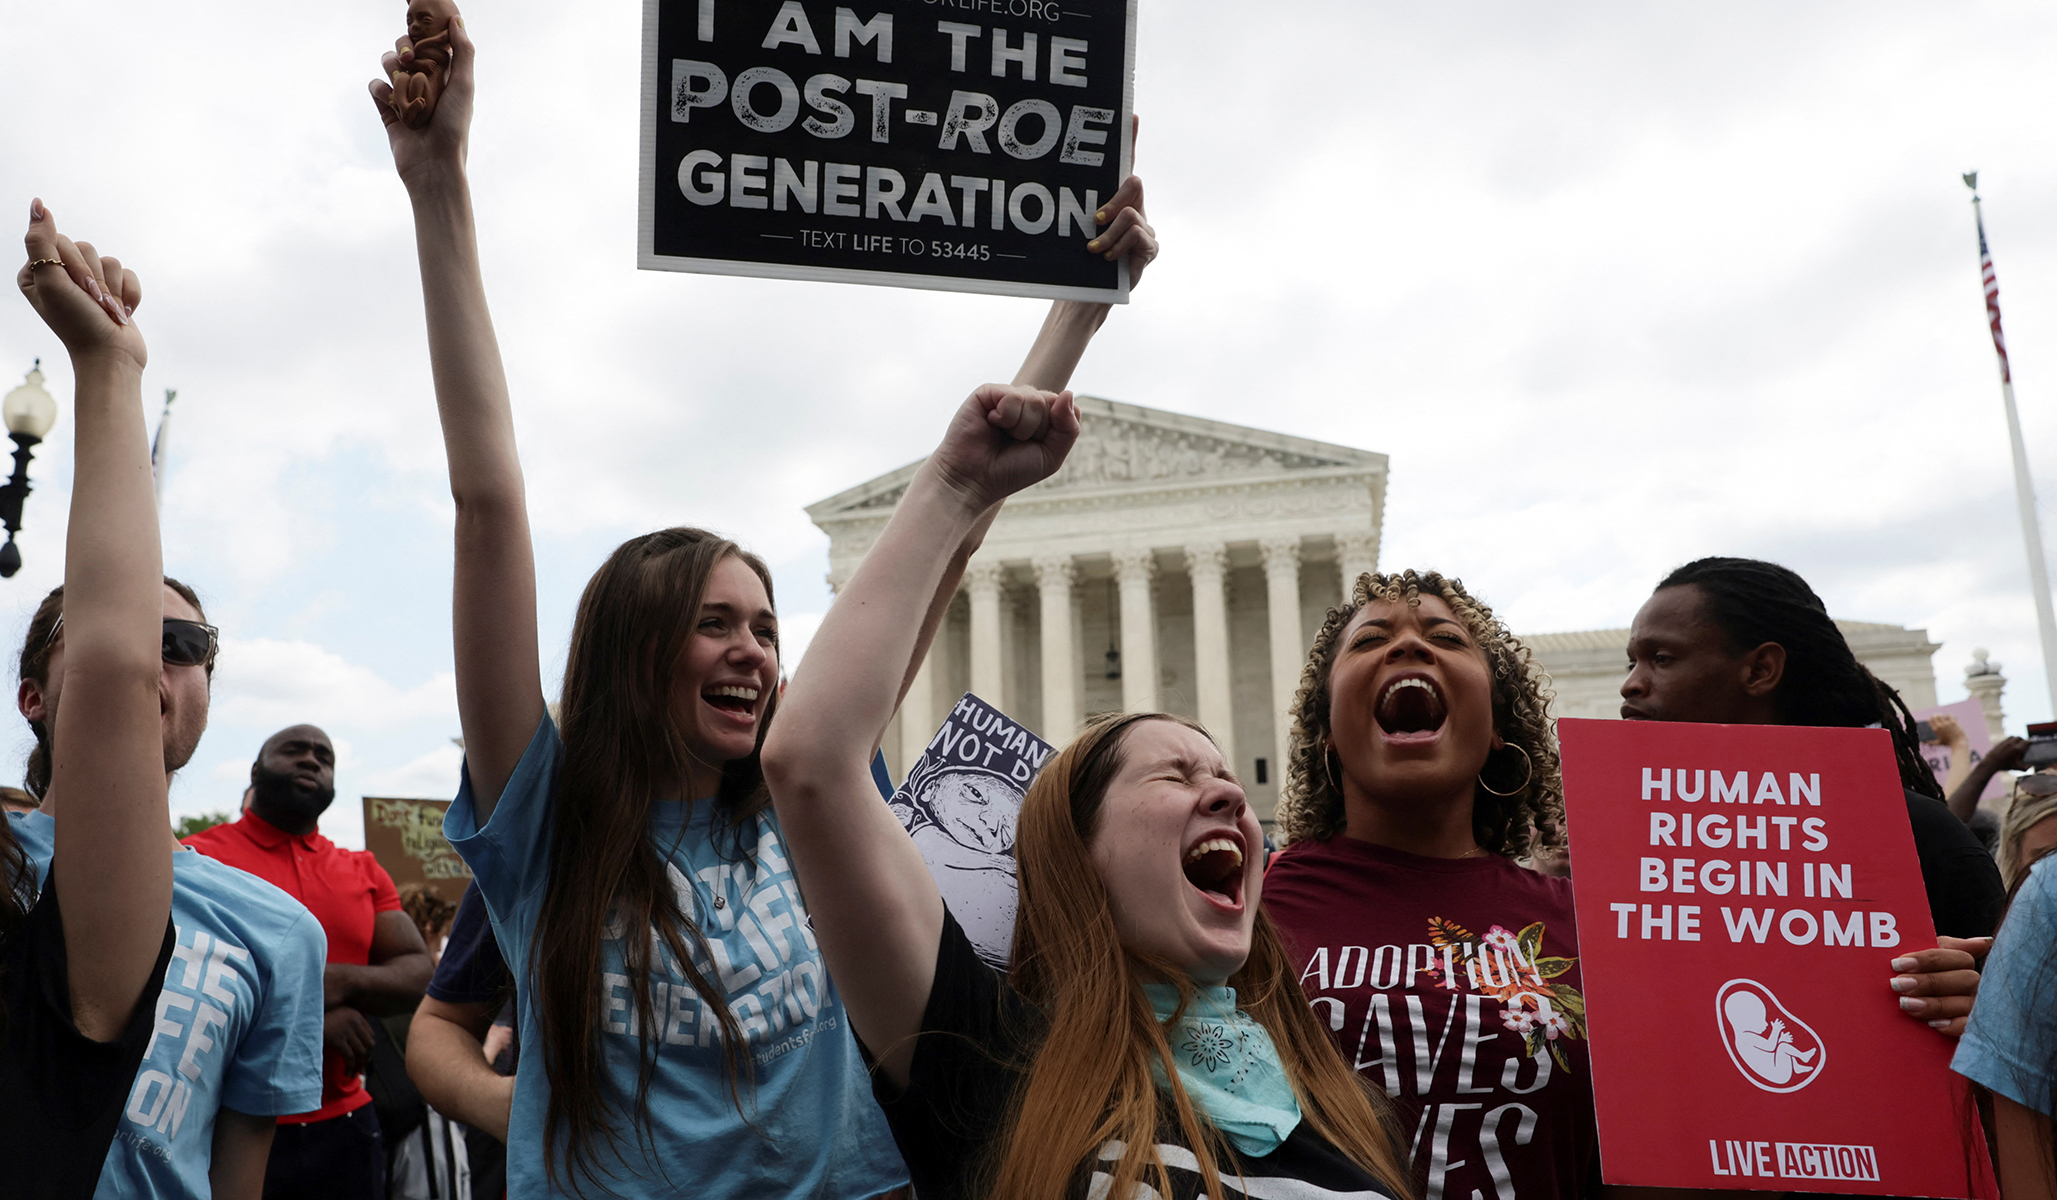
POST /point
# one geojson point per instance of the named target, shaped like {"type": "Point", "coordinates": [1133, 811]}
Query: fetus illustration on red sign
{"type": "Point", "coordinates": [1773, 1049]}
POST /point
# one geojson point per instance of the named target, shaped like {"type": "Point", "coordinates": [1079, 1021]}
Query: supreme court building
{"type": "Point", "coordinates": [1185, 565]}
{"type": "Point", "coordinates": [1173, 563]}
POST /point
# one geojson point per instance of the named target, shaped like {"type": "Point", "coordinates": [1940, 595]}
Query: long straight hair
{"type": "Point", "coordinates": [606, 876]}
{"type": "Point", "coordinates": [1087, 1078]}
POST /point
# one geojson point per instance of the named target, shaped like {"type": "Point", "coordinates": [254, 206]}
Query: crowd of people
{"type": "Point", "coordinates": [701, 957]}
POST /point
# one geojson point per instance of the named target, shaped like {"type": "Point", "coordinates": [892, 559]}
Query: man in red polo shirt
{"type": "Point", "coordinates": [377, 964]}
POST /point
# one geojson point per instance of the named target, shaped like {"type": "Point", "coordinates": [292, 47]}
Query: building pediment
{"type": "Point", "coordinates": [1126, 448]}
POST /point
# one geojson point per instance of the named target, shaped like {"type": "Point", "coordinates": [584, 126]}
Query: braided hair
{"type": "Point", "coordinates": [1757, 602]}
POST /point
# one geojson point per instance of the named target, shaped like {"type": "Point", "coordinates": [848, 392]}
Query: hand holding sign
{"type": "Point", "coordinates": [1128, 233]}
{"type": "Point", "coordinates": [1937, 986]}
{"type": "Point", "coordinates": [1005, 438]}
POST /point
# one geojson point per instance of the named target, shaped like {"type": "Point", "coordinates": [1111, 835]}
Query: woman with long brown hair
{"type": "Point", "coordinates": [1148, 1038]}
{"type": "Point", "coordinates": [680, 1032]}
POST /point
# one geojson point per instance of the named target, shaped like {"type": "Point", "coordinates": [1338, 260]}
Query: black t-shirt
{"type": "Point", "coordinates": [1965, 895]}
{"type": "Point", "coordinates": [472, 970]}
{"type": "Point", "coordinates": [61, 1092]}
{"type": "Point", "coordinates": [949, 1117]}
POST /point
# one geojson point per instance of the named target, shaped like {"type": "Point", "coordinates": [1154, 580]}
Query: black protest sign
{"type": "Point", "coordinates": [963, 145]}
{"type": "Point", "coordinates": [960, 803]}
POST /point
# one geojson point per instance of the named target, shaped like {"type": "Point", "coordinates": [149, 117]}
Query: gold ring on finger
{"type": "Point", "coordinates": [45, 262]}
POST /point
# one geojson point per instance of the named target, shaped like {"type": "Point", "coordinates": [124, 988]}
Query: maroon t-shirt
{"type": "Point", "coordinates": [1452, 984]}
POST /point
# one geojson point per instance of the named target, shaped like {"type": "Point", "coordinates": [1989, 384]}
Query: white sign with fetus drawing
{"type": "Point", "coordinates": [1773, 1049]}
{"type": "Point", "coordinates": [960, 803]}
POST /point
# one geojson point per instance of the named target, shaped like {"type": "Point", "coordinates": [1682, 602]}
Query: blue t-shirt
{"type": "Point", "coordinates": [818, 1131]}
{"type": "Point", "coordinates": [2011, 1042]}
{"type": "Point", "coordinates": [238, 1024]}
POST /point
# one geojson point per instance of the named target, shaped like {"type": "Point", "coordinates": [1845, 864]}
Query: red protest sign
{"type": "Point", "coordinates": [1741, 891]}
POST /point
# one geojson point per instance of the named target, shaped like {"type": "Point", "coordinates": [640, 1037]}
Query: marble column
{"type": "Point", "coordinates": [1356, 555]}
{"type": "Point", "coordinates": [1206, 564]}
{"type": "Point", "coordinates": [1054, 578]}
{"type": "Point", "coordinates": [1133, 569]}
{"type": "Point", "coordinates": [1288, 653]}
{"type": "Point", "coordinates": [988, 680]}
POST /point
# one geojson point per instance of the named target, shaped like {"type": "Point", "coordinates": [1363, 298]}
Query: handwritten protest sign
{"type": "Point", "coordinates": [959, 803]}
{"type": "Point", "coordinates": [947, 144]}
{"type": "Point", "coordinates": [1741, 891]}
{"type": "Point", "coordinates": [406, 836]}
{"type": "Point", "coordinates": [1971, 715]}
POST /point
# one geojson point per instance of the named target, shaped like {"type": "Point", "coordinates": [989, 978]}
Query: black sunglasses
{"type": "Point", "coordinates": [186, 643]}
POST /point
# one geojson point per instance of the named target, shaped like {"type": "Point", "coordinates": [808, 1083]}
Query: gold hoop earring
{"type": "Point", "coordinates": [1528, 772]}
{"type": "Point", "coordinates": [1330, 771]}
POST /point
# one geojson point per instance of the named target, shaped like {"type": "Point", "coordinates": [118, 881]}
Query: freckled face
{"type": "Point", "coordinates": [1411, 701]}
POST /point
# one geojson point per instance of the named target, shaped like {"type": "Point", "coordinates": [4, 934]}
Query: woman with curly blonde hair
{"type": "Point", "coordinates": [1423, 766]}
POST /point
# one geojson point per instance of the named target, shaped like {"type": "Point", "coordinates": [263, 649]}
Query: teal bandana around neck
{"type": "Point", "coordinates": [1229, 1067]}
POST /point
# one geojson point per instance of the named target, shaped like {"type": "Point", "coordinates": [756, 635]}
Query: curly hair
{"type": "Point", "coordinates": [1310, 804]}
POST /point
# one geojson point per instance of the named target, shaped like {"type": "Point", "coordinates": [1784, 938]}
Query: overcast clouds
{"type": "Point", "coordinates": [1614, 285]}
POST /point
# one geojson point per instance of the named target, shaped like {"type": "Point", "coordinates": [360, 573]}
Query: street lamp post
{"type": "Point", "coordinates": [29, 413]}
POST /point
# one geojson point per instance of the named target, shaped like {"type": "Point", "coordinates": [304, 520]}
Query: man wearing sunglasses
{"type": "Point", "coordinates": [377, 963]}
{"type": "Point", "coordinates": [237, 1039]}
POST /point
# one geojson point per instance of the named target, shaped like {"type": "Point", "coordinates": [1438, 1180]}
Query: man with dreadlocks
{"type": "Point", "coordinates": [1736, 641]}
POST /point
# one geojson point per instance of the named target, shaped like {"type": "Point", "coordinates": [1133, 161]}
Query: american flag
{"type": "Point", "coordinates": [1992, 285]}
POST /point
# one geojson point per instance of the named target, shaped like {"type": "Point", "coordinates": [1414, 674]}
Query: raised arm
{"type": "Point", "coordinates": [1067, 330]}
{"type": "Point", "coordinates": [876, 911]}
{"type": "Point", "coordinates": [1965, 792]}
{"type": "Point", "coordinates": [499, 678]}
{"type": "Point", "coordinates": [111, 864]}
{"type": "Point", "coordinates": [1071, 324]}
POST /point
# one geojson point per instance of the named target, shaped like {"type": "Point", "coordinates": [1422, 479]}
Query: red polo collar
{"type": "Point", "coordinates": [271, 837]}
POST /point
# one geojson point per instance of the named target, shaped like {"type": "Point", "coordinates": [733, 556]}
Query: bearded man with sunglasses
{"type": "Point", "coordinates": [237, 1036]}
{"type": "Point", "coordinates": [377, 962]}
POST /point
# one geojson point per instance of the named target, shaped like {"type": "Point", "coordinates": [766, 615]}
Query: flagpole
{"type": "Point", "coordinates": [160, 446]}
{"type": "Point", "coordinates": [2024, 489]}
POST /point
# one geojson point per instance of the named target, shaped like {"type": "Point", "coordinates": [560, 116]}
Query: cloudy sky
{"type": "Point", "coordinates": [1615, 286]}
